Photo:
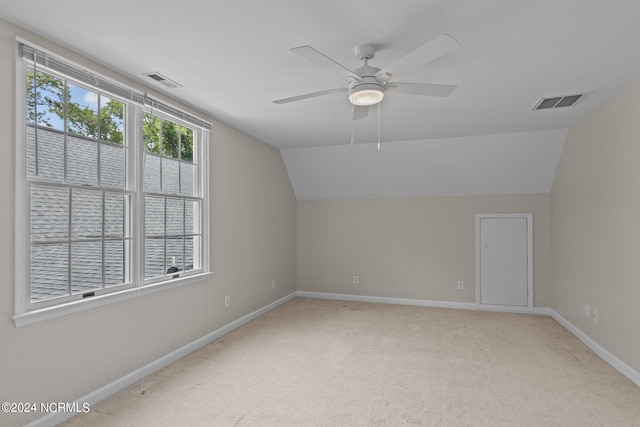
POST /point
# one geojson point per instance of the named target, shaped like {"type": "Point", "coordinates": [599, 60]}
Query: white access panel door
{"type": "Point", "coordinates": [504, 260]}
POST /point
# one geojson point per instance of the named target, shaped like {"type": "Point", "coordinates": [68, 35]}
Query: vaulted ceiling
{"type": "Point", "coordinates": [233, 59]}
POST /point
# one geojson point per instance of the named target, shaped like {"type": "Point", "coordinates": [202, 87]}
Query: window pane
{"type": "Point", "coordinates": [82, 111]}
{"type": "Point", "coordinates": [175, 217]}
{"type": "Point", "coordinates": [192, 252]}
{"type": "Point", "coordinates": [187, 179]}
{"type": "Point", "coordinates": [86, 266]}
{"type": "Point", "coordinates": [86, 214]}
{"type": "Point", "coordinates": [151, 174]}
{"type": "Point", "coordinates": [114, 261]}
{"type": "Point", "coordinates": [82, 161]}
{"type": "Point", "coordinates": [49, 214]}
{"type": "Point", "coordinates": [151, 134]}
{"type": "Point", "coordinates": [47, 101]}
{"type": "Point", "coordinates": [45, 158]}
{"type": "Point", "coordinates": [170, 139]}
{"type": "Point", "coordinates": [186, 144]}
{"type": "Point", "coordinates": [154, 216]}
{"type": "Point", "coordinates": [112, 166]}
{"type": "Point", "coordinates": [114, 214]}
{"type": "Point", "coordinates": [111, 120]}
{"type": "Point", "coordinates": [153, 257]}
{"type": "Point", "coordinates": [175, 255]}
{"type": "Point", "coordinates": [170, 176]}
{"type": "Point", "coordinates": [190, 224]}
{"type": "Point", "coordinates": [49, 271]}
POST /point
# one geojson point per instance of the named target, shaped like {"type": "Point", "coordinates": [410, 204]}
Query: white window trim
{"type": "Point", "coordinates": [21, 203]}
{"type": "Point", "coordinates": [22, 314]}
{"type": "Point", "coordinates": [47, 313]}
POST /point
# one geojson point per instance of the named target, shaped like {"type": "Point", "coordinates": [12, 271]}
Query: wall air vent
{"type": "Point", "coordinates": [557, 101]}
{"type": "Point", "coordinates": [163, 80]}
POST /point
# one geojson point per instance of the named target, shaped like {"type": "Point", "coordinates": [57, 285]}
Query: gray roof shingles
{"type": "Point", "coordinates": [50, 255]}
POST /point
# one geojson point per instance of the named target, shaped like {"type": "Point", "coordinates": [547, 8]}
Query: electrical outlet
{"type": "Point", "coordinates": [273, 284]}
{"type": "Point", "coordinates": [461, 285]}
{"type": "Point", "coordinates": [227, 301]}
{"type": "Point", "coordinates": [595, 314]}
{"type": "Point", "coordinates": [356, 280]}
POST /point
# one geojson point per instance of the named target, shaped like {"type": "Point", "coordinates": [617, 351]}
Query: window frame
{"type": "Point", "coordinates": [128, 189]}
{"type": "Point", "coordinates": [198, 135]}
{"type": "Point", "coordinates": [24, 310]}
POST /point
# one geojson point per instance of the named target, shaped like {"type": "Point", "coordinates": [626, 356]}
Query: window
{"type": "Point", "coordinates": [80, 206]}
{"type": "Point", "coordinates": [172, 225]}
{"type": "Point", "coordinates": [110, 187]}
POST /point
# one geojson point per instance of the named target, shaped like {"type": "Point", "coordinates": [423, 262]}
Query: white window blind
{"type": "Point", "coordinates": [52, 62]}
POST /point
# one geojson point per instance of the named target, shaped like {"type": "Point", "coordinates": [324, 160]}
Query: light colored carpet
{"type": "Point", "coordinates": [331, 363]}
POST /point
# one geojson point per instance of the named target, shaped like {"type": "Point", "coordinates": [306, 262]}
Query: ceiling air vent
{"type": "Point", "coordinates": [557, 101]}
{"type": "Point", "coordinates": [163, 80]}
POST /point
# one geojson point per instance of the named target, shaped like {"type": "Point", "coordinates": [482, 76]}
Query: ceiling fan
{"type": "Point", "coordinates": [367, 85]}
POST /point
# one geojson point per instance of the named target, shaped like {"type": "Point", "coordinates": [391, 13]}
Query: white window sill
{"type": "Point", "coordinates": [48, 313]}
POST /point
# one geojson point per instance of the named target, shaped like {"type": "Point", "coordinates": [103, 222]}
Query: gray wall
{"type": "Point", "coordinates": [595, 212]}
{"type": "Point", "coordinates": [253, 238]}
{"type": "Point", "coordinates": [408, 248]}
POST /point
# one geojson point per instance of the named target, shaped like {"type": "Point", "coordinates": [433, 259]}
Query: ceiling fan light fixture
{"type": "Point", "coordinates": [366, 94]}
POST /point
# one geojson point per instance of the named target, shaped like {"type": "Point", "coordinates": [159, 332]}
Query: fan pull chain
{"type": "Point", "coordinates": [353, 114]}
{"type": "Point", "coordinates": [378, 126]}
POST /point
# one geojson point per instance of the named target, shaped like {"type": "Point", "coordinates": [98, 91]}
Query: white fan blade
{"type": "Point", "coordinates": [311, 95]}
{"type": "Point", "coordinates": [323, 60]}
{"type": "Point", "coordinates": [428, 52]}
{"type": "Point", "coordinates": [360, 111]}
{"type": "Point", "coordinates": [423, 89]}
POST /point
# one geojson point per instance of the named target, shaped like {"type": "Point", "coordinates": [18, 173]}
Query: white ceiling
{"type": "Point", "coordinates": [438, 167]}
{"type": "Point", "coordinates": [233, 60]}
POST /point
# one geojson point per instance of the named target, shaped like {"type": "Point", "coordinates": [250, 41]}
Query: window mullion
{"type": "Point", "coordinates": [65, 125]}
{"type": "Point", "coordinates": [165, 255]}
{"type": "Point", "coordinates": [137, 213]}
{"type": "Point", "coordinates": [99, 147]}
{"type": "Point", "coordinates": [69, 240]}
{"type": "Point", "coordinates": [35, 109]}
{"type": "Point", "coordinates": [161, 142]}
{"type": "Point", "coordinates": [180, 160]}
{"type": "Point", "coordinates": [104, 204]}
{"type": "Point", "coordinates": [184, 237]}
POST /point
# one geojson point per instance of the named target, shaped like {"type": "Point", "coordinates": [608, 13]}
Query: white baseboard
{"type": "Point", "coordinates": [424, 303]}
{"type": "Point", "coordinates": [139, 374]}
{"type": "Point", "coordinates": [612, 360]}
